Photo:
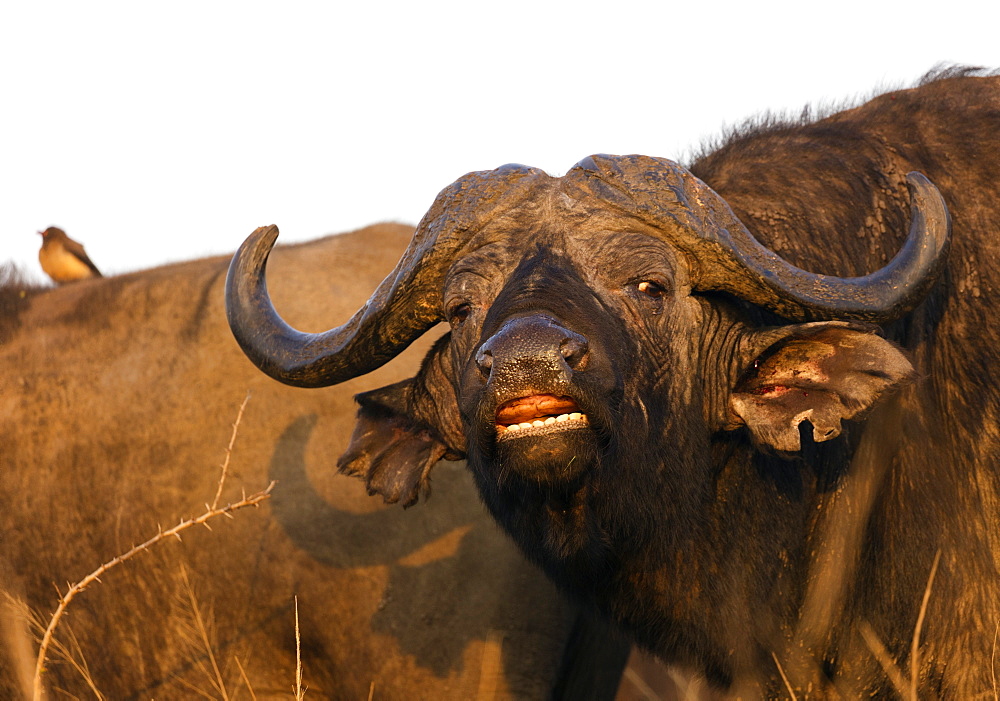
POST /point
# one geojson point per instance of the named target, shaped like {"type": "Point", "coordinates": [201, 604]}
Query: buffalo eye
{"type": "Point", "coordinates": [651, 289]}
{"type": "Point", "coordinates": [459, 313]}
{"type": "Point", "coordinates": [650, 294]}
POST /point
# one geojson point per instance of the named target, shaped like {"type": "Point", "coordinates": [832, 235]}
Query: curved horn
{"type": "Point", "coordinates": [403, 307]}
{"type": "Point", "coordinates": [725, 256]}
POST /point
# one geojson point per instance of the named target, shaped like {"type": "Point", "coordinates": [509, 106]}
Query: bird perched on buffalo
{"type": "Point", "coordinates": [64, 259]}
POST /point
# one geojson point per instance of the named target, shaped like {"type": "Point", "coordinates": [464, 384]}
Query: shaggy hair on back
{"type": "Point", "coordinates": [768, 120]}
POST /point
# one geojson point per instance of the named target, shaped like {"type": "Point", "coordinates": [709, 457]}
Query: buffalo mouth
{"type": "Point", "coordinates": [538, 414]}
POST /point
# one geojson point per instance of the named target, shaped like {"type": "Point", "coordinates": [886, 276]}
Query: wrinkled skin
{"type": "Point", "coordinates": [746, 493]}
{"type": "Point", "coordinates": [760, 501]}
{"type": "Point", "coordinates": [117, 403]}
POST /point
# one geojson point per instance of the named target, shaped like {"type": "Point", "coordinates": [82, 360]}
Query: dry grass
{"type": "Point", "coordinates": [199, 632]}
{"type": "Point", "coordinates": [892, 670]}
{"type": "Point", "coordinates": [915, 644]}
{"type": "Point", "coordinates": [906, 685]}
{"type": "Point", "coordinates": [491, 666]}
{"type": "Point", "coordinates": [71, 651]}
{"type": "Point", "coordinates": [299, 691]}
{"type": "Point", "coordinates": [243, 676]}
{"type": "Point", "coordinates": [993, 667]}
{"type": "Point", "coordinates": [889, 665]}
{"type": "Point", "coordinates": [784, 678]}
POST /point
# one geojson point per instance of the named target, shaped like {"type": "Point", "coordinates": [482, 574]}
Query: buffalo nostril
{"type": "Point", "coordinates": [484, 359]}
{"type": "Point", "coordinates": [573, 349]}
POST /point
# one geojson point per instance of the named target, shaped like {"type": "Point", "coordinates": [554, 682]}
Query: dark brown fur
{"type": "Point", "coordinates": [720, 556]}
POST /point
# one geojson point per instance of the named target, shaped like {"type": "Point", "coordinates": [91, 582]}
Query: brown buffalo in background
{"type": "Point", "coordinates": [117, 399]}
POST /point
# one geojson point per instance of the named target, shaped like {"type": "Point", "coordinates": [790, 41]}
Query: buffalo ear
{"type": "Point", "coordinates": [821, 373]}
{"type": "Point", "coordinates": [403, 430]}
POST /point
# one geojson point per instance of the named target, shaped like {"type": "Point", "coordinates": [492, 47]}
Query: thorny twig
{"type": "Point", "coordinates": [210, 513]}
{"type": "Point", "coordinates": [229, 451]}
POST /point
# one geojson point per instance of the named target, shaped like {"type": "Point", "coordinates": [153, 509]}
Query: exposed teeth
{"type": "Point", "coordinates": [548, 421]}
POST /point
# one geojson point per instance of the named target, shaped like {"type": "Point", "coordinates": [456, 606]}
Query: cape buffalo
{"type": "Point", "coordinates": [784, 481]}
{"type": "Point", "coordinates": [117, 400]}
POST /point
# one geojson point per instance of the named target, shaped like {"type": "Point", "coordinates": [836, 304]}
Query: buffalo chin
{"type": "Point", "coordinates": [539, 490]}
{"type": "Point", "coordinates": [551, 459]}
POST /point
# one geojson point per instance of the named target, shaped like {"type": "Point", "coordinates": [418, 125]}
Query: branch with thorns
{"type": "Point", "coordinates": [211, 511]}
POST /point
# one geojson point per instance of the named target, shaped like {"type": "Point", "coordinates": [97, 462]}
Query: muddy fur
{"type": "Point", "coordinates": [692, 514]}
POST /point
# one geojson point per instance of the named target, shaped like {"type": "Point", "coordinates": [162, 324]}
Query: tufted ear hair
{"type": "Point", "coordinates": [821, 373]}
{"type": "Point", "coordinates": [404, 429]}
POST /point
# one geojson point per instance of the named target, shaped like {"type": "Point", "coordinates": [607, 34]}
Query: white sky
{"type": "Point", "coordinates": [155, 132]}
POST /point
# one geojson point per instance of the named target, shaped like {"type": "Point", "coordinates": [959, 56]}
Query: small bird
{"type": "Point", "coordinates": [64, 259]}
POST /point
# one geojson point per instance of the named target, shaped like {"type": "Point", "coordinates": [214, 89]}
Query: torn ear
{"type": "Point", "coordinates": [403, 430]}
{"type": "Point", "coordinates": [822, 373]}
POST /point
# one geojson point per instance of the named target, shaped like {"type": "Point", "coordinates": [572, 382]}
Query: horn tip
{"type": "Point", "coordinates": [255, 249]}
{"type": "Point", "coordinates": [930, 202]}
{"type": "Point", "coordinates": [267, 233]}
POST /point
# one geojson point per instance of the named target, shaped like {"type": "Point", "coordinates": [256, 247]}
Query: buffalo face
{"type": "Point", "coordinates": [564, 355]}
